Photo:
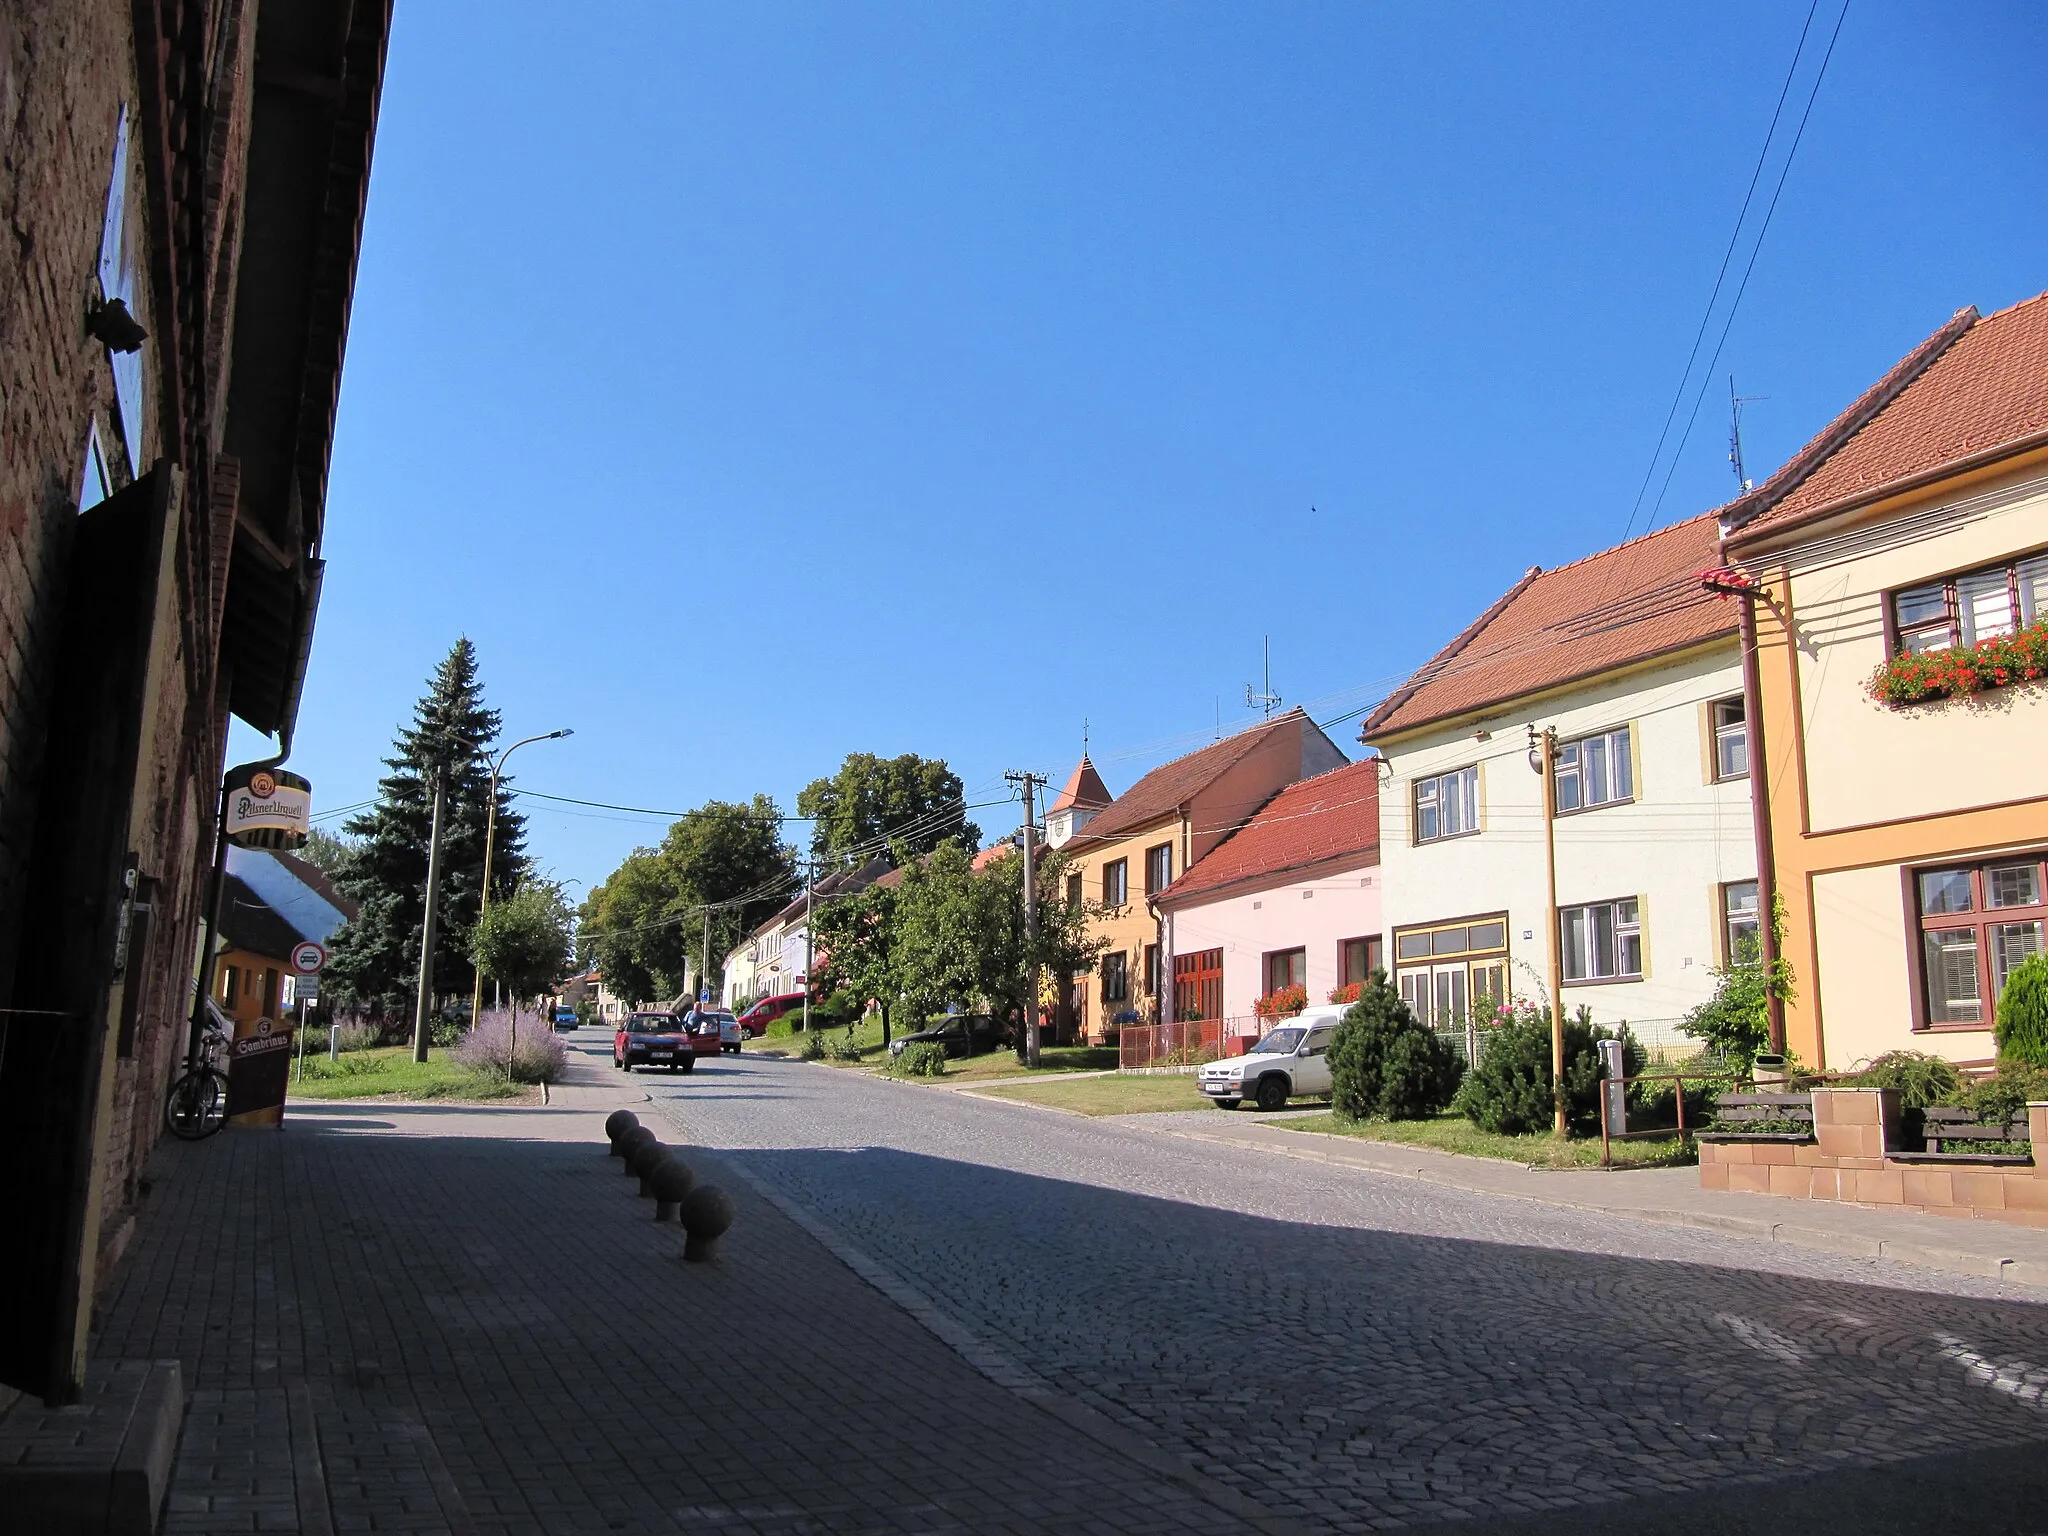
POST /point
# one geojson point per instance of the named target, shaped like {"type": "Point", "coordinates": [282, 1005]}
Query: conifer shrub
{"type": "Point", "coordinates": [1921, 1080]}
{"type": "Point", "coordinates": [2022, 1027]}
{"type": "Point", "coordinates": [1385, 1064]}
{"type": "Point", "coordinates": [1510, 1092]}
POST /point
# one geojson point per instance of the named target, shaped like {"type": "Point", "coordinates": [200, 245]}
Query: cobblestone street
{"type": "Point", "coordinates": [942, 1313]}
{"type": "Point", "coordinates": [1355, 1350]}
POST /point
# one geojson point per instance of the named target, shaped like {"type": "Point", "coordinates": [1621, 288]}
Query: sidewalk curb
{"type": "Point", "coordinates": [2014, 1271]}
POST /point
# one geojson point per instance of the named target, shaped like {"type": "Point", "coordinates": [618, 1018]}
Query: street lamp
{"type": "Point", "coordinates": [476, 996]}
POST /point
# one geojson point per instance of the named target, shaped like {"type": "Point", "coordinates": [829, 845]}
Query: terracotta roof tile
{"type": "Point", "coordinates": [1312, 821]}
{"type": "Point", "coordinates": [1973, 389]}
{"type": "Point", "coordinates": [1626, 604]}
{"type": "Point", "coordinates": [1172, 785]}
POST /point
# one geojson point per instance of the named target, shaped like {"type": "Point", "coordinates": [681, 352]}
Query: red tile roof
{"type": "Point", "coordinates": [1973, 391]}
{"type": "Point", "coordinates": [1172, 785]}
{"type": "Point", "coordinates": [1626, 604]}
{"type": "Point", "coordinates": [1084, 788]}
{"type": "Point", "coordinates": [1335, 815]}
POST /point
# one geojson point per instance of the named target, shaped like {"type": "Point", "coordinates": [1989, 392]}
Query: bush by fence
{"type": "Point", "coordinates": [1510, 1091]}
{"type": "Point", "coordinates": [1385, 1065]}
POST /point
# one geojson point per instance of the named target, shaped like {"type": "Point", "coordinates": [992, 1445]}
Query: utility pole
{"type": "Point", "coordinates": [810, 890]}
{"type": "Point", "coordinates": [1030, 782]}
{"type": "Point", "coordinates": [704, 965]}
{"type": "Point", "coordinates": [425, 1006]}
{"type": "Point", "coordinates": [1543, 758]}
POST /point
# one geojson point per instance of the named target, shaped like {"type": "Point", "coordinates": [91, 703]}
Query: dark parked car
{"type": "Point", "coordinates": [964, 1034]}
{"type": "Point", "coordinates": [653, 1040]}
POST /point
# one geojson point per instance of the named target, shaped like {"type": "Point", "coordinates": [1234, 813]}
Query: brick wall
{"type": "Point", "coordinates": [1849, 1159]}
{"type": "Point", "coordinates": [67, 67]}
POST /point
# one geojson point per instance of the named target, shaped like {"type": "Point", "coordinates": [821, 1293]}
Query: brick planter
{"type": "Point", "coordinates": [1855, 1134]}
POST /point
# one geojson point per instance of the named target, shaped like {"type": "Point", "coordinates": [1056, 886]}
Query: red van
{"type": "Point", "coordinates": [755, 1020]}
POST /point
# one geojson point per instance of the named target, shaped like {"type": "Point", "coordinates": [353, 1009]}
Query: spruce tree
{"type": "Point", "coordinates": [376, 958]}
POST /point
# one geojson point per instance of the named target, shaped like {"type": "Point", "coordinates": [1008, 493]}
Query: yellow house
{"type": "Point", "coordinates": [1147, 837]}
{"type": "Point", "coordinates": [1900, 571]}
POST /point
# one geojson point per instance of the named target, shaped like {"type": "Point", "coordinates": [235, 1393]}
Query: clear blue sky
{"type": "Point", "coordinates": [758, 383]}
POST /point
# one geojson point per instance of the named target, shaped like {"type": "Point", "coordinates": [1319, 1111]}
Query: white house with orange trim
{"type": "Point", "coordinates": [1910, 836]}
{"type": "Point", "coordinates": [1638, 672]}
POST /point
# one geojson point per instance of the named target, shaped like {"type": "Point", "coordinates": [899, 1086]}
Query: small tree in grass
{"type": "Point", "coordinates": [522, 940]}
{"type": "Point", "coordinates": [1509, 1093]}
{"type": "Point", "coordinates": [2022, 1030]}
{"type": "Point", "coordinates": [1384, 1064]}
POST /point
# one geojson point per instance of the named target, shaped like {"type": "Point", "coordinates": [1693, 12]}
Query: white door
{"type": "Point", "coordinates": [1312, 1066]}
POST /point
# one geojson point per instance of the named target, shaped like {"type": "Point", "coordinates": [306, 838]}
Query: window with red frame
{"type": "Point", "coordinates": [1286, 968]}
{"type": "Point", "coordinates": [1977, 923]}
{"type": "Point", "coordinates": [1359, 958]}
{"type": "Point", "coordinates": [1976, 605]}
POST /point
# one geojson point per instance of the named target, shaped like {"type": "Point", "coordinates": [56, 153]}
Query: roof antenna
{"type": "Point", "coordinates": [1735, 404]}
{"type": "Point", "coordinates": [1268, 700]}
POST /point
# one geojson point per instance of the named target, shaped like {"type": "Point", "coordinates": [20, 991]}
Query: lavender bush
{"type": "Point", "coordinates": [539, 1056]}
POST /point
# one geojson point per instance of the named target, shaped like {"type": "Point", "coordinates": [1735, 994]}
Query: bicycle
{"type": "Point", "coordinates": [197, 1103]}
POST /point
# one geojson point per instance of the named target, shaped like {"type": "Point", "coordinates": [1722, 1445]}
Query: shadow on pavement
{"type": "Point", "coordinates": [488, 1307]}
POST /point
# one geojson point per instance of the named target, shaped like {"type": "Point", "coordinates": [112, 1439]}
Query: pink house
{"type": "Point", "coordinates": [1293, 897]}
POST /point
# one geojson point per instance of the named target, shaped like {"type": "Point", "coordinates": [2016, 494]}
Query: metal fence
{"type": "Point", "coordinates": [1184, 1046]}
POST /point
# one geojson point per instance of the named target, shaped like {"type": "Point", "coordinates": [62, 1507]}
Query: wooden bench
{"type": "Point", "coordinates": [1762, 1117]}
{"type": "Point", "coordinates": [1948, 1127]}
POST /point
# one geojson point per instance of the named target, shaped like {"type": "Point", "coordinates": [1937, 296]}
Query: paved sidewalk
{"type": "Point", "coordinates": [1992, 1249]}
{"type": "Point", "coordinates": [455, 1319]}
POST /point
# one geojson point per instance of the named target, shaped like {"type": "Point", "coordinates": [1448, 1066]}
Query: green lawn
{"type": "Point", "coordinates": [867, 1040]}
{"type": "Point", "coordinates": [1454, 1133]}
{"type": "Point", "coordinates": [997, 1065]}
{"type": "Point", "coordinates": [390, 1073]}
{"type": "Point", "coordinates": [1116, 1095]}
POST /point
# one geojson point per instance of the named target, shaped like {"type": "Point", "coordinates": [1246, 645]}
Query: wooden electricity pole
{"type": "Point", "coordinates": [1543, 755]}
{"type": "Point", "coordinates": [424, 1008]}
{"type": "Point", "coordinates": [1030, 782]}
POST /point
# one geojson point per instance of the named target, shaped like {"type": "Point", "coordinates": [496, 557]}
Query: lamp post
{"type": "Point", "coordinates": [476, 996]}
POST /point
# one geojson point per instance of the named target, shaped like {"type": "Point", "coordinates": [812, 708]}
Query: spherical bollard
{"type": "Point", "coordinates": [616, 1124]}
{"type": "Point", "coordinates": [672, 1180]}
{"type": "Point", "coordinates": [652, 1160]}
{"type": "Point", "coordinates": [705, 1213]}
{"type": "Point", "coordinates": [634, 1139]}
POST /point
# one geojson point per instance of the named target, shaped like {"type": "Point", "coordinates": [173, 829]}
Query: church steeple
{"type": "Point", "coordinates": [1084, 796]}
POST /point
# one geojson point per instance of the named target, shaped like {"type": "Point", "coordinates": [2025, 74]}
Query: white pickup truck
{"type": "Point", "coordinates": [1290, 1062]}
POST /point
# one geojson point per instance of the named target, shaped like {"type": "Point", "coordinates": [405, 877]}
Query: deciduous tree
{"type": "Point", "coordinates": [909, 802]}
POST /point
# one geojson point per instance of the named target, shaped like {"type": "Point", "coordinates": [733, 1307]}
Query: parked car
{"type": "Point", "coordinates": [964, 1034]}
{"type": "Point", "coordinates": [653, 1040]}
{"type": "Point", "coordinates": [565, 1018]}
{"type": "Point", "coordinates": [756, 1019]}
{"type": "Point", "coordinates": [1292, 1061]}
{"type": "Point", "coordinates": [707, 1037]}
{"type": "Point", "coordinates": [730, 1033]}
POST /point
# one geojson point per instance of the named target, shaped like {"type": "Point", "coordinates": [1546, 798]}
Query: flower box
{"type": "Point", "coordinates": [1914, 677]}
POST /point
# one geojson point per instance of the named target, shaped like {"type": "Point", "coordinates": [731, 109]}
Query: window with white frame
{"type": "Point", "coordinates": [1730, 720]}
{"type": "Point", "coordinates": [1976, 605]}
{"type": "Point", "coordinates": [1741, 938]}
{"type": "Point", "coordinates": [1595, 771]}
{"type": "Point", "coordinates": [1447, 805]}
{"type": "Point", "coordinates": [1603, 941]}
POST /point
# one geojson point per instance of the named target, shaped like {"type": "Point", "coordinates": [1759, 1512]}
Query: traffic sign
{"type": "Point", "coordinates": [308, 958]}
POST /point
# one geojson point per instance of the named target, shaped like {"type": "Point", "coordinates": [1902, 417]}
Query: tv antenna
{"type": "Point", "coordinates": [1735, 404]}
{"type": "Point", "coordinates": [1266, 701]}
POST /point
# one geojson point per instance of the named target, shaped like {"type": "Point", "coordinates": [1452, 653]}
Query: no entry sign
{"type": "Point", "coordinates": [308, 958]}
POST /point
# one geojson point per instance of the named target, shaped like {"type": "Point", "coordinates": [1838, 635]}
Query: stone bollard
{"type": "Point", "coordinates": [705, 1213]}
{"type": "Point", "coordinates": [646, 1158]}
{"type": "Point", "coordinates": [672, 1181]}
{"type": "Point", "coordinates": [616, 1124]}
{"type": "Point", "coordinates": [634, 1139]}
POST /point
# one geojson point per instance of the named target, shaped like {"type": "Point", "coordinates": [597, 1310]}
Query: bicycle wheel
{"type": "Point", "coordinates": [197, 1104]}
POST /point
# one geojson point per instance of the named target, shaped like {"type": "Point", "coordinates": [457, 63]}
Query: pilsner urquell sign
{"type": "Point", "coordinates": [268, 808]}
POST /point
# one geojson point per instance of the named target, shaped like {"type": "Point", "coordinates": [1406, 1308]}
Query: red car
{"type": "Point", "coordinates": [656, 1040]}
{"type": "Point", "coordinates": [755, 1020]}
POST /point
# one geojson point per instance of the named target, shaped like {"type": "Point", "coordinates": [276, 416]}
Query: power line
{"type": "Point", "coordinates": [1755, 250]}
{"type": "Point", "coordinates": [1734, 236]}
